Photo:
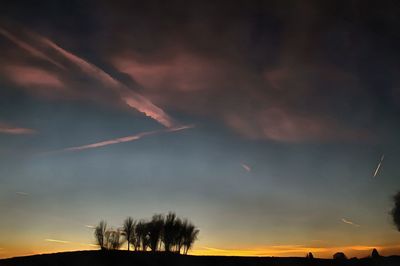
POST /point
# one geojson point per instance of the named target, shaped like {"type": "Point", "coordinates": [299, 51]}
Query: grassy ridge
{"type": "Point", "coordinates": [117, 258]}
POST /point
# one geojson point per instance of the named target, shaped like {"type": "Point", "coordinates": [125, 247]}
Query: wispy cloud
{"type": "Point", "coordinates": [246, 167]}
{"type": "Point", "coordinates": [57, 241]}
{"type": "Point", "coordinates": [46, 49]}
{"type": "Point", "coordinates": [32, 76]}
{"type": "Point", "coordinates": [68, 242]}
{"type": "Point", "coordinates": [130, 97]}
{"type": "Point", "coordinates": [21, 193]}
{"type": "Point", "coordinates": [27, 47]}
{"type": "Point", "coordinates": [125, 139]}
{"type": "Point", "coordinates": [344, 220]}
{"type": "Point", "coordinates": [90, 226]}
{"type": "Point", "coordinates": [13, 130]}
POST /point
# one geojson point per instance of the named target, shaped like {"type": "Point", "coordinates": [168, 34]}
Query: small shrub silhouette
{"type": "Point", "coordinates": [339, 256]}
{"type": "Point", "coordinates": [375, 254]}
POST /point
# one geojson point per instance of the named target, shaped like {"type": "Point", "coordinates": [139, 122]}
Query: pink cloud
{"type": "Point", "coordinates": [12, 130]}
{"type": "Point", "coordinates": [288, 126]}
{"type": "Point", "coordinates": [45, 49]}
{"type": "Point", "coordinates": [28, 76]}
{"type": "Point", "coordinates": [183, 72]}
{"type": "Point", "coordinates": [29, 48]}
{"type": "Point", "coordinates": [128, 96]}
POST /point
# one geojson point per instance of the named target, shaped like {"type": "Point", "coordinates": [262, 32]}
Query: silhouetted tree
{"type": "Point", "coordinates": [375, 254]}
{"type": "Point", "coordinates": [309, 256]}
{"type": "Point", "coordinates": [113, 239]}
{"type": "Point", "coordinates": [171, 231]}
{"type": "Point", "coordinates": [100, 234]}
{"type": "Point", "coordinates": [155, 229]}
{"type": "Point", "coordinates": [189, 236]}
{"type": "Point", "coordinates": [128, 230]}
{"type": "Point", "coordinates": [339, 256]}
{"type": "Point", "coordinates": [396, 210]}
{"type": "Point", "coordinates": [172, 227]}
{"type": "Point", "coordinates": [141, 233]}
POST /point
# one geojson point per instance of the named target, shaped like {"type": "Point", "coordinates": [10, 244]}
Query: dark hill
{"type": "Point", "coordinates": [117, 258]}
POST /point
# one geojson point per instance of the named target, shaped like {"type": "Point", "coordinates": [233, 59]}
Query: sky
{"type": "Point", "coordinates": [263, 122]}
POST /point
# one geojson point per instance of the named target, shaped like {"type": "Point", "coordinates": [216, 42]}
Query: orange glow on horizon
{"type": "Point", "coordinates": [267, 251]}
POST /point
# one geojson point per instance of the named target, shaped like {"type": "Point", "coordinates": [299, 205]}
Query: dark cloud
{"type": "Point", "coordinates": [267, 69]}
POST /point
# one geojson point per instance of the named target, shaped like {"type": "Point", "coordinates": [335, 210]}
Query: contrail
{"type": "Point", "coordinates": [68, 242]}
{"type": "Point", "coordinates": [29, 48]}
{"type": "Point", "coordinates": [128, 96]}
{"type": "Point", "coordinates": [246, 167]}
{"type": "Point", "coordinates": [125, 139]}
{"type": "Point", "coordinates": [379, 165]}
{"type": "Point", "coordinates": [350, 222]}
{"type": "Point", "coordinates": [57, 241]}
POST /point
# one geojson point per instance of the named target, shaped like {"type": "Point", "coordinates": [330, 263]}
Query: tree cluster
{"type": "Point", "coordinates": [162, 233]}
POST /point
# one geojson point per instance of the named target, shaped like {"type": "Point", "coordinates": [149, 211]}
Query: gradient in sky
{"type": "Point", "coordinates": [263, 122]}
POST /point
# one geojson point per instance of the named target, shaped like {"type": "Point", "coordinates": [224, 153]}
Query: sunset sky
{"type": "Point", "coordinates": [263, 122]}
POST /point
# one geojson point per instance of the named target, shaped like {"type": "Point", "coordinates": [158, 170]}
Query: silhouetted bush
{"type": "Point", "coordinates": [339, 256]}
{"type": "Point", "coordinates": [310, 256]}
{"type": "Point", "coordinates": [375, 254]}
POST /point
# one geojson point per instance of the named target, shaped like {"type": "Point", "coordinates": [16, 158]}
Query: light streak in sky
{"type": "Point", "coordinates": [350, 222]}
{"type": "Point", "coordinates": [126, 139]}
{"type": "Point", "coordinates": [57, 241]}
{"type": "Point", "coordinates": [376, 172]}
{"type": "Point", "coordinates": [246, 167]}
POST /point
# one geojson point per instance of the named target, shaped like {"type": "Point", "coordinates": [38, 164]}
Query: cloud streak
{"type": "Point", "coordinates": [12, 130]}
{"type": "Point", "coordinates": [246, 167]}
{"type": "Point", "coordinates": [51, 52]}
{"type": "Point", "coordinates": [57, 241]}
{"type": "Point", "coordinates": [344, 220]}
{"type": "Point", "coordinates": [29, 48]}
{"type": "Point", "coordinates": [130, 97]}
{"type": "Point", "coordinates": [125, 139]}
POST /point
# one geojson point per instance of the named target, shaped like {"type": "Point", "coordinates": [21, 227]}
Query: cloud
{"type": "Point", "coordinates": [246, 167]}
{"type": "Point", "coordinates": [349, 222]}
{"type": "Point", "coordinates": [31, 75]}
{"type": "Point", "coordinates": [285, 105]}
{"type": "Point", "coordinates": [260, 90]}
{"type": "Point", "coordinates": [57, 241]}
{"type": "Point", "coordinates": [125, 139]}
{"type": "Point", "coordinates": [27, 47]}
{"type": "Point", "coordinates": [90, 226]}
{"type": "Point", "coordinates": [183, 72]}
{"type": "Point", "coordinates": [282, 124]}
{"type": "Point", "coordinates": [21, 193]}
{"type": "Point", "coordinates": [130, 97]}
{"type": "Point", "coordinates": [12, 130]}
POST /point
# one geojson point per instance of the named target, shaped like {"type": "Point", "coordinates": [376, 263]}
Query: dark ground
{"type": "Point", "coordinates": [116, 258]}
